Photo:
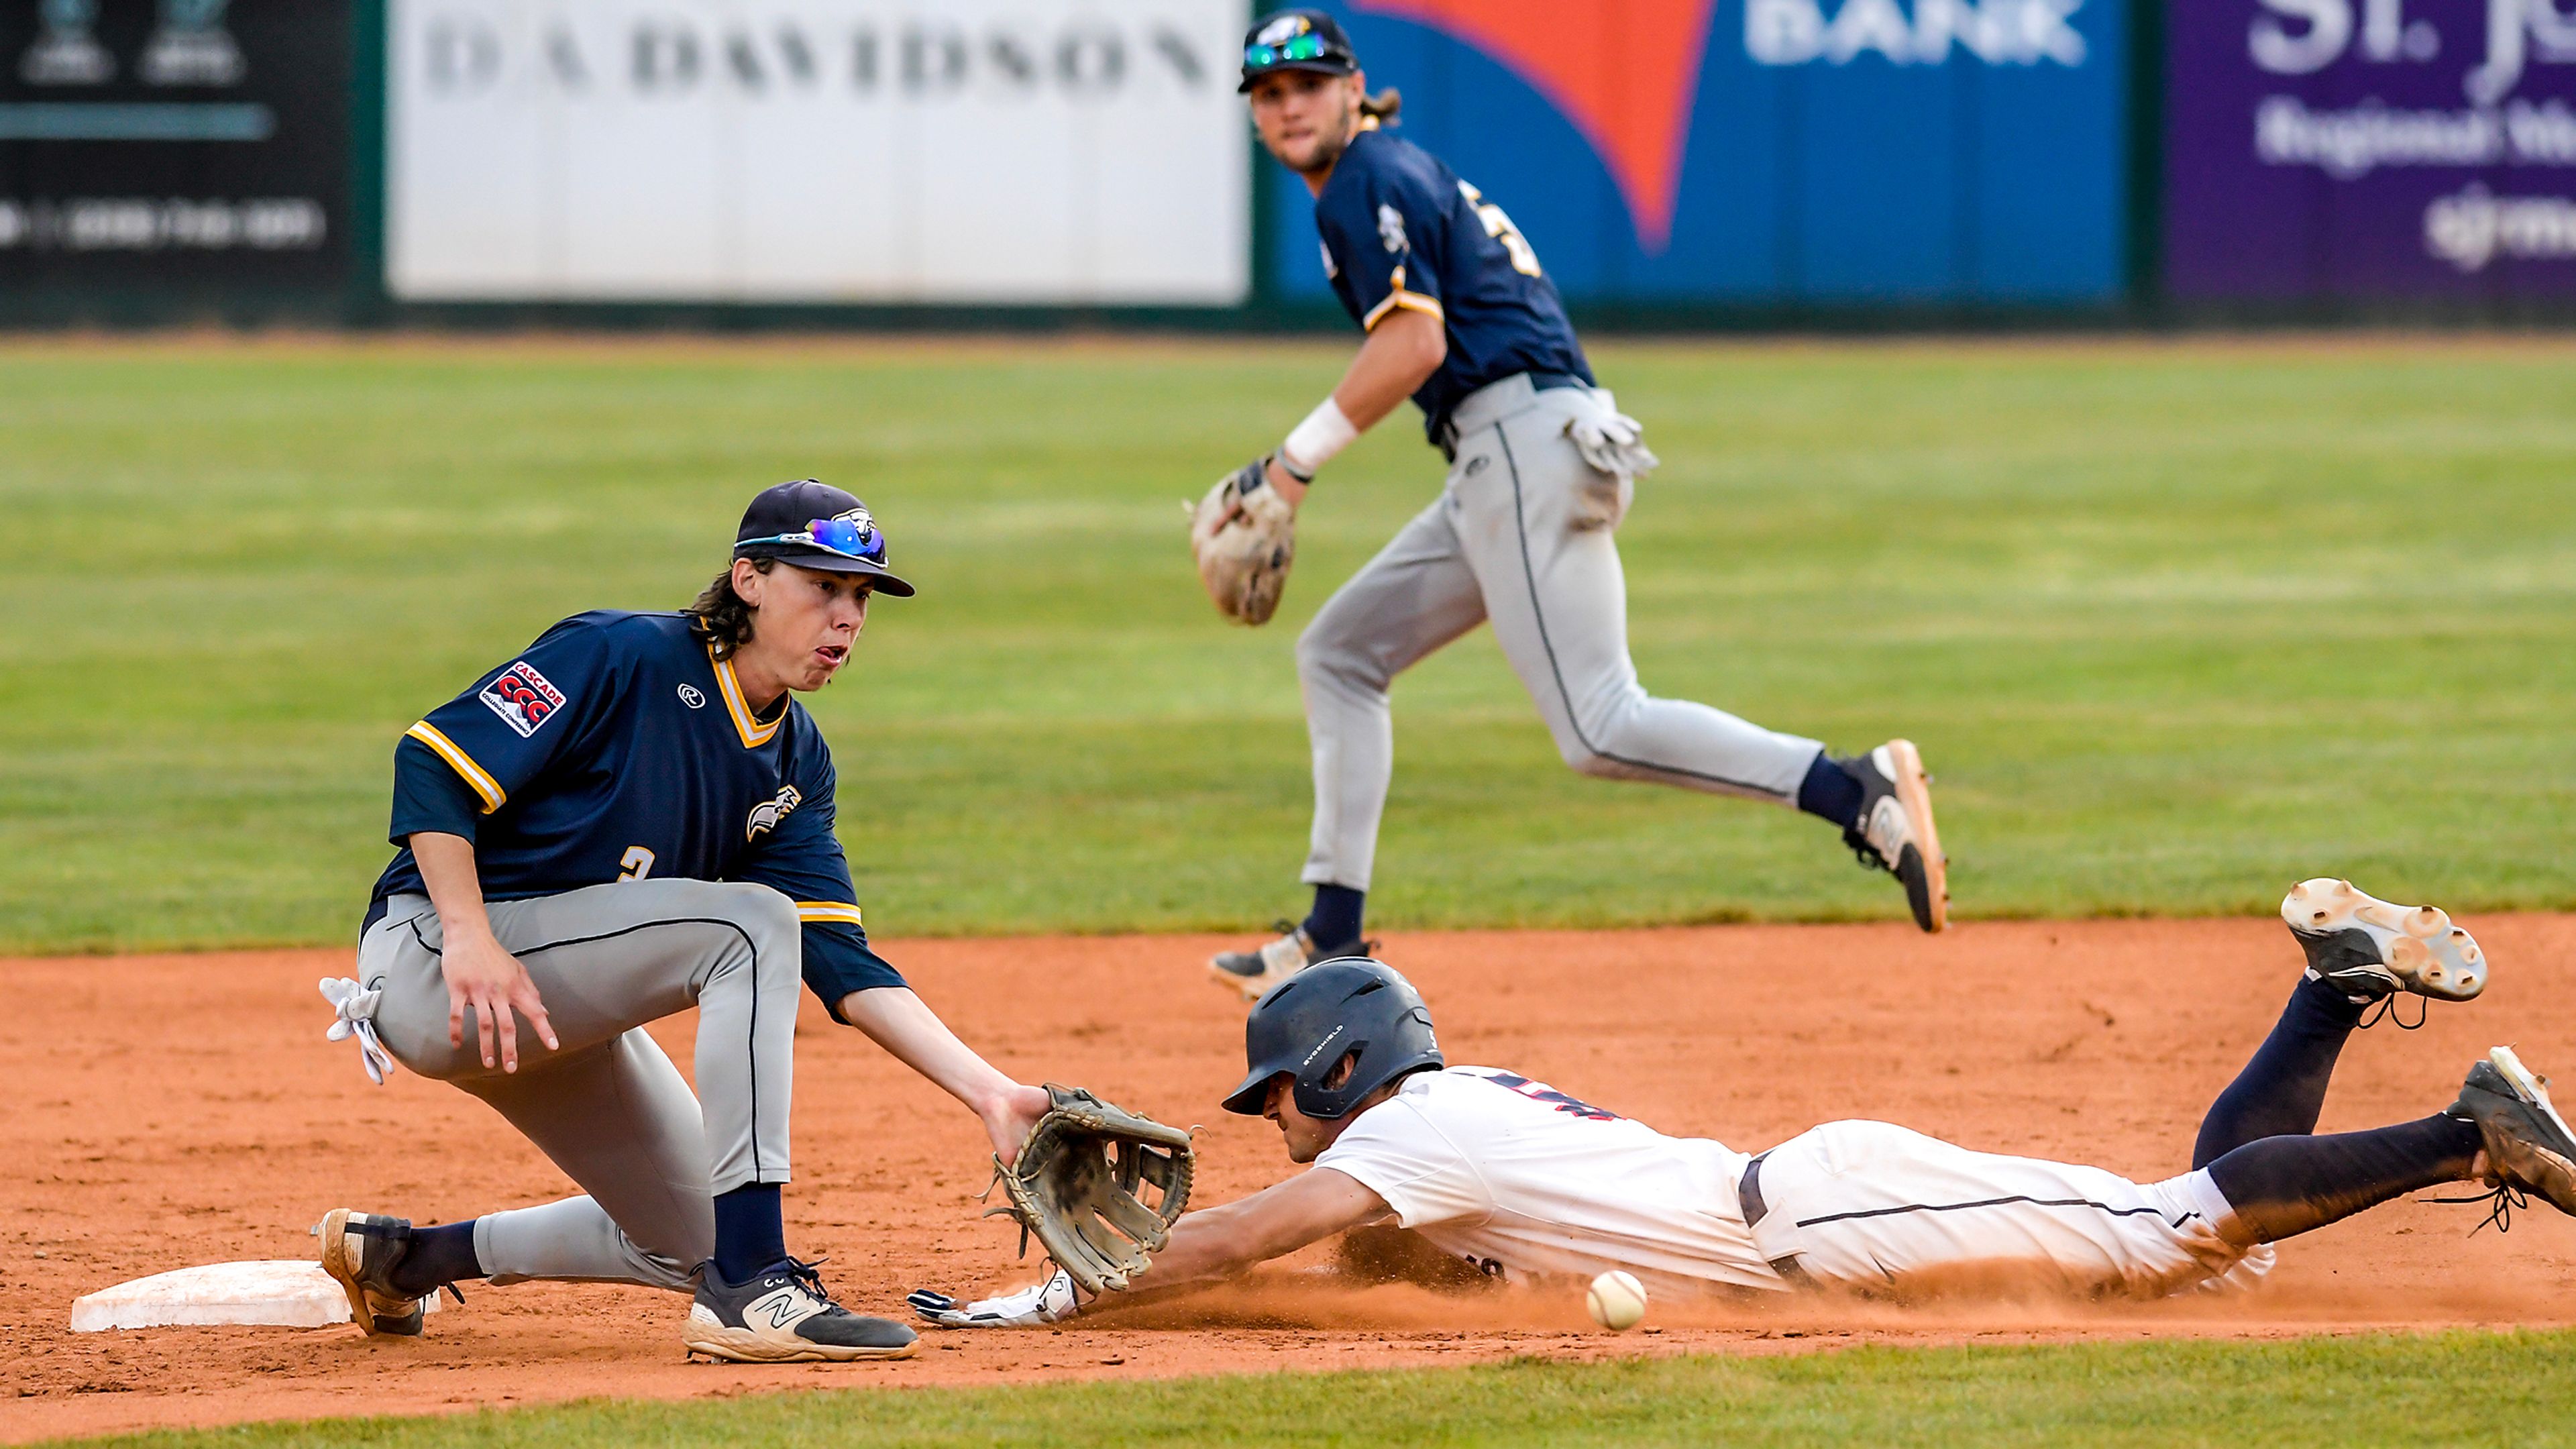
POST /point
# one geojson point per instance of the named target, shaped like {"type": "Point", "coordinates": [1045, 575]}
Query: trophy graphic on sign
{"type": "Point", "coordinates": [190, 47]}
{"type": "Point", "coordinates": [65, 53]}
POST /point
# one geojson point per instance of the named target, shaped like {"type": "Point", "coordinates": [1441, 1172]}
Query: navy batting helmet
{"type": "Point", "coordinates": [1328, 1011]}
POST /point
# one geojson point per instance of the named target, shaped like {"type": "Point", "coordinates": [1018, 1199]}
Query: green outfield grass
{"type": "Point", "coordinates": [2451, 1389]}
{"type": "Point", "coordinates": [2175, 624]}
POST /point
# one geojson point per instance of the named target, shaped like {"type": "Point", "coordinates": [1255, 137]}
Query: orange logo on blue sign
{"type": "Point", "coordinates": [1626, 75]}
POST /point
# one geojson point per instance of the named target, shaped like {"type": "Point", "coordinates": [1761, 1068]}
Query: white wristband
{"type": "Point", "coordinates": [1312, 443]}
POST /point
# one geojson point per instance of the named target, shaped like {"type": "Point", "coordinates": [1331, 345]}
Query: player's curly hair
{"type": "Point", "coordinates": [720, 616]}
{"type": "Point", "coordinates": [1382, 106]}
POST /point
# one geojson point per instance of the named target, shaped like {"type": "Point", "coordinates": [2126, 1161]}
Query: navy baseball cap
{"type": "Point", "coordinates": [817, 526]}
{"type": "Point", "coordinates": [1296, 40]}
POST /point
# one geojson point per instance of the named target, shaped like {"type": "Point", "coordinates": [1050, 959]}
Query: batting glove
{"type": "Point", "coordinates": [1052, 1301]}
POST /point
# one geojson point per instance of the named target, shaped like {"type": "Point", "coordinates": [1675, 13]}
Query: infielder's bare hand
{"type": "Point", "coordinates": [490, 982]}
{"type": "Point", "coordinates": [1009, 1117]}
{"type": "Point", "coordinates": [1284, 483]}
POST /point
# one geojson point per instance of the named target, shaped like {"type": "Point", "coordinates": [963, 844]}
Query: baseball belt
{"type": "Point", "coordinates": [1748, 1197]}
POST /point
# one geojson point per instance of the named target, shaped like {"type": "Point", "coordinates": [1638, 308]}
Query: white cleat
{"type": "Point", "coordinates": [2372, 949]}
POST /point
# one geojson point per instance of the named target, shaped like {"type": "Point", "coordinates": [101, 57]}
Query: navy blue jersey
{"type": "Point", "coordinates": [1401, 230]}
{"type": "Point", "coordinates": [618, 747]}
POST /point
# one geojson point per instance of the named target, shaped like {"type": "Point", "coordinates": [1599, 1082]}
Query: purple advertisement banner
{"type": "Point", "coordinates": [2358, 149]}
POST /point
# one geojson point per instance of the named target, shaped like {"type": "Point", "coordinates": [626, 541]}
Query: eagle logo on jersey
{"type": "Point", "coordinates": [1390, 228]}
{"type": "Point", "coordinates": [523, 698]}
{"type": "Point", "coordinates": [766, 815]}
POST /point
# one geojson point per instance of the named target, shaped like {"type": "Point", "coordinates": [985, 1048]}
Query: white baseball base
{"type": "Point", "coordinates": [277, 1292]}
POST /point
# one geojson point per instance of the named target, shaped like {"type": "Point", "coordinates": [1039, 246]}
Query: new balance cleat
{"type": "Point", "coordinates": [784, 1316]}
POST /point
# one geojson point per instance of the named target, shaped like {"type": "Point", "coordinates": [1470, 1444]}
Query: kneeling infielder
{"type": "Point", "coordinates": [1460, 316]}
{"type": "Point", "coordinates": [1519, 1179]}
{"type": "Point", "coordinates": [630, 819]}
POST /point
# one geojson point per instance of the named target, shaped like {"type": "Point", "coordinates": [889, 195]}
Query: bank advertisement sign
{"type": "Point", "coordinates": [174, 143]}
{"type": "Point", "coordinates": [950, 151]}
{"type": "Point", "coordinates": [2371, 148]}
{"type": "Point", "coordinates": [1771, 151]}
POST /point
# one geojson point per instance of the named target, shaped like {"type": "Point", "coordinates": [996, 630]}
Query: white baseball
{"type": "Point", "coordinates": [1616, 1301]}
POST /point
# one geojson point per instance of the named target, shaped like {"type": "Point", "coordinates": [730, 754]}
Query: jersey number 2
{"type": "Point", "coordinates": [1500, 228]}
{"type": "Point", "coordinates": [638, 862]}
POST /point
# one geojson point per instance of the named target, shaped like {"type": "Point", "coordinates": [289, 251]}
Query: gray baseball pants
{"type": "Point", "coordinates": [1521, 536]}
{"type": "Point", "coordinates": [608, 1106]}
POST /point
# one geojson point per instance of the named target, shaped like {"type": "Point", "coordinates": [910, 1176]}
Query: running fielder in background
{"type": "Point", "coordinates": [1519, 1179]}
{"type": "Point", "coordinates": [1460, 317]}
{"type": "Point", "coordinates": [627, 820]}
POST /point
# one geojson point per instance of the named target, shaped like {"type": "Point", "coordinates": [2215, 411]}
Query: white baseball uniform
{"type": "Point", "coordinates": [1521, 1179]}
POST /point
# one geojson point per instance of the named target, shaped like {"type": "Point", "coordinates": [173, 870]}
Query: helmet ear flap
{"type": "Point", "coordinates": [1338, 1075]}
{"type": "Point", "coordinates": [1326, 1093]}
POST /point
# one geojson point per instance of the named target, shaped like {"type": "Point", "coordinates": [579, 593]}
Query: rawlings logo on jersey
{"type": "Point", "coordinates": [1332, 269]}
{"type": "Point", "coordinates": [766, 815]}
{"type": "Point", "coordinates": [523, 698]}
{"type": "Point", "coordinates": [1390, 228]}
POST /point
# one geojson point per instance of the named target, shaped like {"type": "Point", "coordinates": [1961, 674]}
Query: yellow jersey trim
{"type": "Point", "coordinates": [754, 733]}
{"type": "Point", "coordinates": [840, 911]}
{"type": "Point", "coordinates": [1409, 301]}
{"type": "Point", "coordinates": [462, 763]}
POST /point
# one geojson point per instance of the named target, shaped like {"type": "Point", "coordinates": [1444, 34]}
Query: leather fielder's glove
{"type": "Point", "coordinates": [1244, 536]}
{"type": "Point", "coordinates": [1075, 1188]}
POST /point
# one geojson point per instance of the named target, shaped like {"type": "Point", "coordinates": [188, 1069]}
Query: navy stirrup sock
{"type": "Point", "coordinates": [1830, 791]}
{"type": "Point", "coordinates": [1335, 921]}
{"type": "Point", "coordinates": [751, 1232]}
{"type": "Point", "coordinates": [437, 1256]}
{"type": "Point", "coordinates": [2283, 1087]}
{"type": "Point", "coordinates": [2285, 1185]}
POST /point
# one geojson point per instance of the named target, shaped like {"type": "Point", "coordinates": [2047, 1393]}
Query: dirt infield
{"type": "Point", "coordinates": [184, 1109]}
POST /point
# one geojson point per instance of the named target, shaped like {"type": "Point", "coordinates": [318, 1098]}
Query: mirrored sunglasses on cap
{"type": "Point", "coordinates": [846, 537]}
{"type": "Point", "coordinates": [1302, 47]}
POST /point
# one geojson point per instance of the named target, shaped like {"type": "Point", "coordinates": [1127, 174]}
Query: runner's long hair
{"type": "Point", "coordinates": [720, 616]}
